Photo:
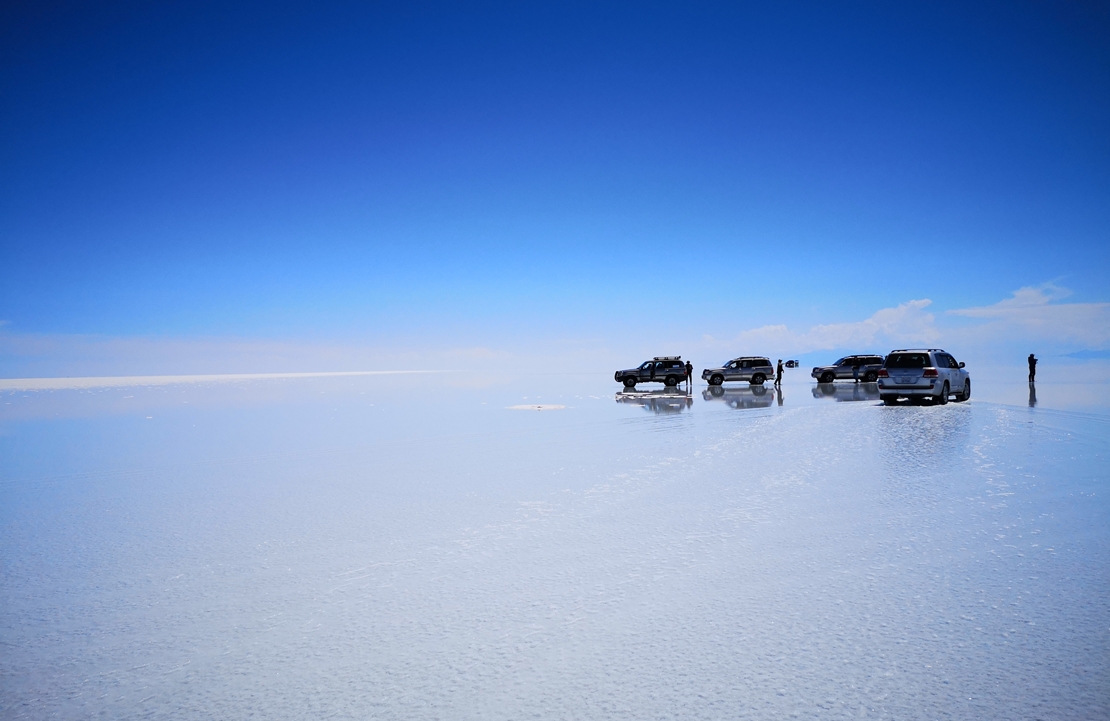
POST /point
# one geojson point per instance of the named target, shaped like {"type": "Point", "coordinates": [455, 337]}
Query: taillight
{"type": "Point", "coordinates": [883, 373]}
{"type": "Point", "coordinates": [930, 373]}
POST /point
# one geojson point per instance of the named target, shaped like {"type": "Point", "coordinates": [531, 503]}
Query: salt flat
{"type": "Point", "coordinates": [413, 548]}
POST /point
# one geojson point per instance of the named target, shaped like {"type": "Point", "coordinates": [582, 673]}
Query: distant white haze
{"type": "Point", "coordinates": [36, 384]}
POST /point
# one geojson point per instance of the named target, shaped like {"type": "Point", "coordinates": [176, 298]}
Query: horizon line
{"type": "Point", "coordinates": [68, 382]}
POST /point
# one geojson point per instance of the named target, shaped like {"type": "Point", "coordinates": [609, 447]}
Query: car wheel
{"type": "Point", "coordinates": [826, 378]}
{"type": "Point", "coordinates": [888, 398]}
{"type": "Point", "coordinates": [757, 379]}
{"type": "Point", "coordinates": [961, 397]}
{"type": "Point", "coordinates": [871, 377]}
{"type": "Point", "coordinates": [671, 381]}
{"type": "Point", "coordinates": [716, 380]}
{"type": "Point", "coordinates": [942, 399]}
{"type": "Point", "coordinates": [629, 382]}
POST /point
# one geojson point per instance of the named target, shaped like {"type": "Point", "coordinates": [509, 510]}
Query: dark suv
{"type": "Point", "coordinates": [668, 370]}
{"type": "Point", "coordinates": [869, 367]}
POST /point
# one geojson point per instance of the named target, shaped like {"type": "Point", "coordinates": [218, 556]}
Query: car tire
{"type": "Point", "coordinates": [966, 394]}
{"type": "Point", "coordinates": [888, 398]}
{"type": "Point", "coordinates": [871, 377]}
{"type": "Point", "coordinates": [942, 399]}
{"type": "Point", "coordinates": [671, 381]}
{"type": "Point", "coordinates": [629, 382]}
{"type": "Point", "coordinates": [716, 380]}
{"type": "Point", "coordinates": [758, 379]}
{"type": "Point", "coordinates": [826, 378]}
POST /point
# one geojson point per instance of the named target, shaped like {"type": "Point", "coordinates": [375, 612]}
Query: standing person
{"type": "Point", "coordinates": [855, 372]}
{"type": "Point", "coordinates": [1032, 368]}
{"type": "Point", "coordinates": [689, 373]}
{"type": "Point", "coordinates": [778, 373]}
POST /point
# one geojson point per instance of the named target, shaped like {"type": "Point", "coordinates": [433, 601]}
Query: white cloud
{"type": "Point", "coordinates": [1032, 314]}
{"type": "Point", "coordinates": [905, 324]}
{"type": "Point", "coordinates": [1033, 318]}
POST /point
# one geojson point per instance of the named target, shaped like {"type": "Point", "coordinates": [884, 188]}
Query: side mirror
{"type": "Point", "coordinates": [961, 365]}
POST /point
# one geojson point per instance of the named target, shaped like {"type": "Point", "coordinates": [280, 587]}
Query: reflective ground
{"type": "Point", "coordinates": [436, 547]}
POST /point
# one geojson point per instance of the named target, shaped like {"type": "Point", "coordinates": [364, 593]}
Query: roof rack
{"type": "Point", "coordinates": [667, 357]}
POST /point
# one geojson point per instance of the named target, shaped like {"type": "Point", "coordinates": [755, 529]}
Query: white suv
{"type": "Point", "coordinates": [754, 369]}
{"type": "Point", "coordinates": [920, 374]}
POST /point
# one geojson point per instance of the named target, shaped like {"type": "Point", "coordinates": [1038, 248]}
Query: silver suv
{"type": "Point", "coordinates": [869, 366]}
{"type": "Point", "coordinates": [923, 374]}
{"type": "Point", "coordinates": [668, 370]}
{"type": "Point", "coordinates": [753, 369]}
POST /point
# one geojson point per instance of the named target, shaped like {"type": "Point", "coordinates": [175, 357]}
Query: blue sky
{"type": "Point", "coordinates": [500, 176]}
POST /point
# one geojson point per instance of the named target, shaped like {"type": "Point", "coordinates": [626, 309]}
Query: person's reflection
{"type": "Point", "coordinates": [1032, 394]}
{"type": "Point", "coordinates": [778, 394]}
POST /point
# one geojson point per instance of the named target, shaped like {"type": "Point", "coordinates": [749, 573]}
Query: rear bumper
{"type": "Point", "coordinates": [888, 388]}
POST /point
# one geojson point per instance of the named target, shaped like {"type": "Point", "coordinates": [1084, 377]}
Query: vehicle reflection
{"type": "Point", "coordinates": [846, 391]}
{"type": "Point", "coordinates": [740, 398]}
{"type": "Point", "coordinates": [666, 400]}
{"type": "Point", "coordinates": [919, 447]}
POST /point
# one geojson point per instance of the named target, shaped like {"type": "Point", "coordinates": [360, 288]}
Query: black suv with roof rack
{"type": "Point", "coordinates": [667, 369]}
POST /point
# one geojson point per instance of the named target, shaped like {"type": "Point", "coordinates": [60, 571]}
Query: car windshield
{"type": "Point", "coordinates": [909, 360]}
{"type": "Point", "coordinates": [840, 362]}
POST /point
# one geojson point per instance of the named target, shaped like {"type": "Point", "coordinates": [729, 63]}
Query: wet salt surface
{"type": "Point", "coordinates": [379, 547]}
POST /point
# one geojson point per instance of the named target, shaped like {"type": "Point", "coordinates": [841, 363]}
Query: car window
{"type": "Point", "coordinates": [841, 362]}
{"type": "Point", "coordinates": [942, 360]}
{"type": "Point", "coordinates": [745, 364]}
{"type": "Point", "coordinates": [762, 362]}
{"type": "Point", "coordinates": [909, 360]}
{"type": "Point", "coordinates": [952, 362]}
{"type": "Point", "coordinates": [645, 366]}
